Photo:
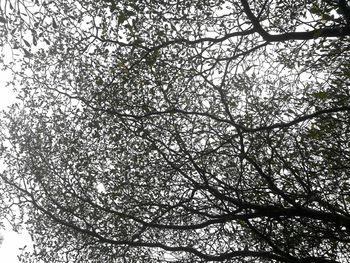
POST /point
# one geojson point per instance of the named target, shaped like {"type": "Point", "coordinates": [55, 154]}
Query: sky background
{"type": "Point", "coordinates": [9, 249]}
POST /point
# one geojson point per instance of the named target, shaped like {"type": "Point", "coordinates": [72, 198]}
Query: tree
{"type": "Point", "coordinates": [180, 131]}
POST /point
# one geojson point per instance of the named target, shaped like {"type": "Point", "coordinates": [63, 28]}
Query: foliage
{"type": "Point", "coordinates": [180, 131]}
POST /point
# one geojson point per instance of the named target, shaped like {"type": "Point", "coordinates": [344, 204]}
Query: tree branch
{"type": "Point", "coordinates": [306, 35]}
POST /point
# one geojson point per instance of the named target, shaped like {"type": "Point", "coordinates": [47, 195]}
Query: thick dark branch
{"type": "Point", "coordinates": [298, 120]}
{"type": "Point", "coordinates": [306, 35]}
{"type": "Point", "coordinates": [180, 41]}
{"type": "Point", "coordinates": [263, 212]}
{"type": "Point", "coordinates": [187, 249]}
{"type": "Point", "coordinates": [201, 40]}
{"type": "Point", "coordinates": [125, 242]}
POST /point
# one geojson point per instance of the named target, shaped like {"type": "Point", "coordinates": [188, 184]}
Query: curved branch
{"type": "Point", "coordinates": [306, 35]}
{"type": "Point", "coordinates": [298, 120]}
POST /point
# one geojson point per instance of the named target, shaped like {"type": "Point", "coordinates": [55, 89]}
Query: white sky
{"type": "Point", "coordinates": [9, 249]}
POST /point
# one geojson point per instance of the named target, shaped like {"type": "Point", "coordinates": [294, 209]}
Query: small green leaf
{"type": "Point", "coordinates": [138, 41]}
{"type": "Point", "coordinates": [314, 133]}
{"type": "Point", "coordinates": [26, 53]}
{"type": "Point", "coordinates": [26, 43]}
{"type": "Point", "coordinates": [320, 95]}
{"type": "Point", "coordinates": [152, 58]}
{"type": "Point", "coordinates": [34, 37]}
{"type": "Point", "coordinates": [112, 7]}
{"type": "Point", "coordinates": [121, 18]}
{"type": "Point", "coordinates": [99, 82]}
{"type": "Point", "coordinates": [54, 24]}
{"type": "Point", "coordinates": [3, 20]}
{"type": "Point", "coordinates": [314, 10]}
{"type": "Point", "coordinates": [327, 17]}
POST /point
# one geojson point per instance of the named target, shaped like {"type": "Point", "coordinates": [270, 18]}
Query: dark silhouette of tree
{"type": "Point", "coordinates": [180, 131]}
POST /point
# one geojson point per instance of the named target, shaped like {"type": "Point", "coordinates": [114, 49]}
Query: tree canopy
{"type": "Point", "coordinates": [179, 131]}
